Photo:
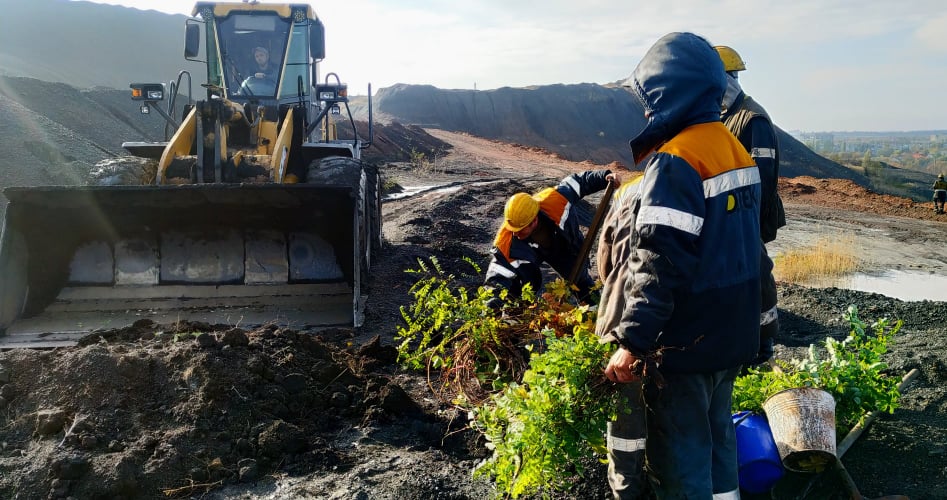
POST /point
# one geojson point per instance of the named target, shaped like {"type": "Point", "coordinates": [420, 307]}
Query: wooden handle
{"type": "Point", "coordinates": [593, 230]}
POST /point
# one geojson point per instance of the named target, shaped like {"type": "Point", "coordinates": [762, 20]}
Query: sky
{"type": "Point", "coordinates": [815, 65]}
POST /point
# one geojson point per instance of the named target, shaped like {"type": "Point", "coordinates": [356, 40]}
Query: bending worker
{"type": "Point", "coordinates": [940, 193]}
{"type": "Point", "coordinates": [542, 227]}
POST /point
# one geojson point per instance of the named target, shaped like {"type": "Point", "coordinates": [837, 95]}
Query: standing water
{"type": "Point", "coordinates": [904, 285]}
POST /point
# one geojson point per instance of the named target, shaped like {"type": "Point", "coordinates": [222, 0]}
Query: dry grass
{"type": "Point", "coordinates": [825, 259]}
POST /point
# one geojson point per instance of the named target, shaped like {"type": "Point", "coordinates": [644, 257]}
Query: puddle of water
{"type": "Point", "coordinates": [408, 191]}
{"type": "Point", "coordinates": [413, 190]}
{"type": "Point", "coordinates": [904, 285]}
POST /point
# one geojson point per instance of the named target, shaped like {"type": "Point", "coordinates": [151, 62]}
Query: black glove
{"type": "Point", "coordinates": [765, 353]}
{"type": "Point", "coordinates": [767, 334]}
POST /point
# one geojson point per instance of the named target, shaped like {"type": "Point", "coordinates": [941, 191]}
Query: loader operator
{"type": "Point", "coordinates": [752, 126]}
{"type": "Point", "coordinates": [263, 68]}
{"type": "Point", "coordinates": [542, 227]}
{"type": "Point", "coordinates": [940, 193]}
{"type": "Point", "coordinates": [261, 79]}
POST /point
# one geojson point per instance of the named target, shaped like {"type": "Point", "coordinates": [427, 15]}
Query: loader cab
{"type": "Point", "coordinates": [258, 53]}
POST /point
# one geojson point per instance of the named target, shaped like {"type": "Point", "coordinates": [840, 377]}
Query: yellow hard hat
{"type": "Point", "coordinates": [731, 60]}
{"type": "Point", "coordinates": [940, 176]}
{"type": "Point", "coordinates": [520, 211]}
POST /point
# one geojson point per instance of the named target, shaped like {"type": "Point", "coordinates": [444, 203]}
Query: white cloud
{"type": "Point", "coordinates": [932, 33]}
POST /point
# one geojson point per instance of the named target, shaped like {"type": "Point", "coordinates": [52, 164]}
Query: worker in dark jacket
{"type": "Point", "coordinates": [543, 228]}
{"type": "Point", "coordinates": [692, 295]}
{"type": "Point", "coordinates": [750, 123]}
{"type": "Point", "coordinates": [940, 193]}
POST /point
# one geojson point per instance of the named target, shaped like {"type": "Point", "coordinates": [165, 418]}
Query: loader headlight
{"type": "Point", "coordinates": [332, 92]}
{"type": "Point", "coordinates": [147, 91]}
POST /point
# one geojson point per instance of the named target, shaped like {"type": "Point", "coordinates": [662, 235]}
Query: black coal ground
{"type": "Point", "coordinates": [273, 413]}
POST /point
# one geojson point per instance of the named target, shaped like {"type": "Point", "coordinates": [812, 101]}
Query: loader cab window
{"type": "Point", "coordinates": [297, 62]}
{"type": "Point", "coordinates": [253, 50]}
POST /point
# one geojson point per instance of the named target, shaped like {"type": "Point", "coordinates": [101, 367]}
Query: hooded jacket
{"type": "Point", "coordinates": [515, 262]}
{"type": "Point", "coordinates": [694, 286]}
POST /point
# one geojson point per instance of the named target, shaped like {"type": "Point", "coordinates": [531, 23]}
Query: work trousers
{"type": "Point", "coordinates": [626, 446]}
{"type": "Point", "coordinates": [692, 448]}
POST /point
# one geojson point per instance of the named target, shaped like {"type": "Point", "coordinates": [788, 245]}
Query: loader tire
{"type": "Point", "coordinates": [373, 197]}
{"type": "Point", "coordinates": [335, 170]}
{"type": "Point", "coordinates": [338, 170]}
{"type": "Point", "coordinates": [123, 171]}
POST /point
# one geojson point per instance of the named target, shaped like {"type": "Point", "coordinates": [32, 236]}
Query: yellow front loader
{"type": "Point", "coordinates": [252, 211]}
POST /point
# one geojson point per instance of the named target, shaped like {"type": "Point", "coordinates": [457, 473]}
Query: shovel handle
{"type": "Point", "coordinates": [593, 230]}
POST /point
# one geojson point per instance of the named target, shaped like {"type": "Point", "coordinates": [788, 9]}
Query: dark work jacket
{"type": "Point", "coordinates": [694, 291]}
{"type": "Point", "coordinates": [751, 124]}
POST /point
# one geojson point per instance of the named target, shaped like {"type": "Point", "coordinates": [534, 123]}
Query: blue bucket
{"type": "Point", "coordinates": [757, 455]}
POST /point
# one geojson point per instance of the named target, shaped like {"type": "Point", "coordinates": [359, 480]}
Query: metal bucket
{"type": "Point", "coordinates": [802, 421]}
{"type": "Point", "coordinates": [757, 457]}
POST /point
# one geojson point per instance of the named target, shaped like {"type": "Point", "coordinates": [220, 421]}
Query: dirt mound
{"type": "Point", "coordinates": [847, 195]}
{"type": "Point", "coordinates": [151, 410]}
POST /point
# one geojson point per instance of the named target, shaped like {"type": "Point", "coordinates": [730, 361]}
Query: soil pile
{"type": "Point", "coordinates": [219, 411]}
{"type": "Point", "coordinates": [178, 410]}
{"type": "Point", "coordinates": [847, 195]}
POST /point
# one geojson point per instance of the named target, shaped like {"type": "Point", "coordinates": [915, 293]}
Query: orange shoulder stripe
{"type": "Point", "coordinates": [709, 148]}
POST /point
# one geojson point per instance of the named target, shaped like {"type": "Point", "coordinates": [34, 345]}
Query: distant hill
{"type": "Point", "coordinates": [589, 122]}
{"type": "Point", "coordinates": [579, 122]}
{"type": "Point", "coordinates": [90, 45]}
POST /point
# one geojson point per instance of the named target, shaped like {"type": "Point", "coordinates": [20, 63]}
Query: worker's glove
{"type": "Point", "coordinates": [767, 334]}
{"type": "Point", "coordinates": [765, 353]}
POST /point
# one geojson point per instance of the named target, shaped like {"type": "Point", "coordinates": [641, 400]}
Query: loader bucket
{"type": "Point", "coordinates": [79, 259]}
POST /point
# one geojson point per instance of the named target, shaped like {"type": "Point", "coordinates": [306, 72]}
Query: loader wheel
{"type": "Point", "coordinates": [123, 171]}
{"type": "Point", "coordinates": [335, 170]}
{"type": "Point", "coordinates": [344, 171]}
{"type": "Point", "coordinates": [373, 204]}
